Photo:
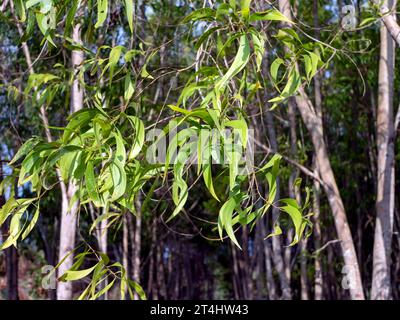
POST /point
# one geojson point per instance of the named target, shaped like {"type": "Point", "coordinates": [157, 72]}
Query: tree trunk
{"type": "Point", "coordinates": [136, 242]}
{"type": "Point", "coordinates": [318, 280]}
{"type": "Point", "coordinates": [381, 285]}
{"type": "Point", "coordinates": [125, 244]}
{"type": "Point", "coordinates": [314, 126]}
{"type": "Point", "coordinates": [69, 219]}
{"type": "Point", "coordinates": [11, 255]}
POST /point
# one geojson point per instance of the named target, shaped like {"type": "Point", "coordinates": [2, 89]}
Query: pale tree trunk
{"type": "Point", "coordinates": [268, 270]}
{"type": "Point", "coordinates": [11, 254]}
{"type": "Point", "coordinates": [235, 275]}
{"type": "Point", "coordinates": [318, 280]}
{"type": "Point", "coordinates": [136, 241]}
{"type": "Point", "coordinates": [389, 20]}
{"type": "Point", "coordinates": [381, 286]}
{"type": "Point", "coordinates": [151, 288]}
{"type": "Point", "coordinates": [125, 245]}
{"type": "Point", "coordinates": [314, 126]}
{"type": "Point", "coordinates": [103, 248]}
{"type": "Point", "coordinates": [69, 218]}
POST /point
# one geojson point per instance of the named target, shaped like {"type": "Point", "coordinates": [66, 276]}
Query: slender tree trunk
{"type": "Point", "coordinates": [318, 280]}
{"type": "Point", "coordinates": [314, 126]}
{"type": "Point", "coordinates": [136, 243]}
{"type": "Point", "coordinates": [11, 255]}
{"type": "Point", "coordinates": [235, 276]}
{"type": "Point", "coordinates": [103, 248]}
{"type": "Point", "coordinates": [268, 268]}
{"type": "Point", "coordinates": [125, 244]}
{"type": "Point", "coordinates": [69, 218]}
{"type": "Point", "coordinates": [381, 285]}
{"type": "Point", "coordinates": [389, 19]}
{"type": "Point", "coordinates": [150, 282]}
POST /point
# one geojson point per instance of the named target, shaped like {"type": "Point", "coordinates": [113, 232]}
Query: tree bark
{"type": "Point", "coordinates": [318, 280]}
{"type": "Point", "coordinates": [389, 19]}
{"type": "Point", "coordinates": [69, 218]}
{"type": "Point", "coordinates": [314, 126]}
{"type": "Point", "coordinates": [381, 285]}
{"type": "Point", "coordinates": [11, 255]}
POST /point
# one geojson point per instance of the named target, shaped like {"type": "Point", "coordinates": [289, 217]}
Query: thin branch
{"type": "Point", "coordinates": [302, 168]}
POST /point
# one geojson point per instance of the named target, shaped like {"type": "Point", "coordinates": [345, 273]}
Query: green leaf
{"type": "Point", "coordinates": [292, 85]}
{"type": "Point", "coordinates": [271, 15]}
{"type": "Point", "coordinates": [103, 291]}
{"type": "Point", "coordinates": [367, 21]}
{"type": "Point", "coordinates": [314, 59]}
{"type": "Point", "coordinates": [113, 59]}
{"type": "Point", "coordinates": [297, 220]}
{"type": "Point", "coordinates": [120, 152]}
{"type": "Point", "coordinates": [276, 158]}
{"type": "Point", "coordinates": [72, 275]}
{"type": "Point", "coordinates": [207, 175]}
{"type": "Point", "coordinates": [240, 61]}
{"type": "Point", "coordinates": [129, 13]}
{"type": "Point", "coordinates": [31, 224]}
{"type": "Point", "coordinates": [271, 179]}
{"type": "Point", "coordinates": [138, 140]}
{"type": "Point", "coordinates": [200, 14]}
{"type": "Point", "coordinates": [91, 184]}
{"type": "Point", "coordinates": [46, 24]}
{"type": "Point", "coordinates": [258, 43]}
{"type": "Point", "coordinates": [245, 6]}
{"type": "Point", "coordinates": [277, 231]}
{"type": "Point", "coordinates": [179, 190]}
{"type": "Point", "coordinates": [275, 68]}
{"type": "Point", "coordinates": [138, 289]}
{"type": "Point", "coordinates": [205, 36]}
{"type": "Point", "coordinates": [58, 154]}
{"type": "Point", "coordinates": [118, 175]}
{"type": "Point", "coordinates": [24, 149]}
{"type": "Point", "coordinates": [102, 217]}
{"type": "Point", "coordinates": [241, 126]}
{"type": "Point", "coordinates": [78, 120]}
{"type": "Point", "coordinates": [102, 7]}
{"type": "Point", "coordinates": [20, 8]}
{"type": "Point", "coordinates": [129, 87]}
{"type": "Point", "coordinates": [307, 66]}
{"type": "Point", "coordinates": [225, 220]}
